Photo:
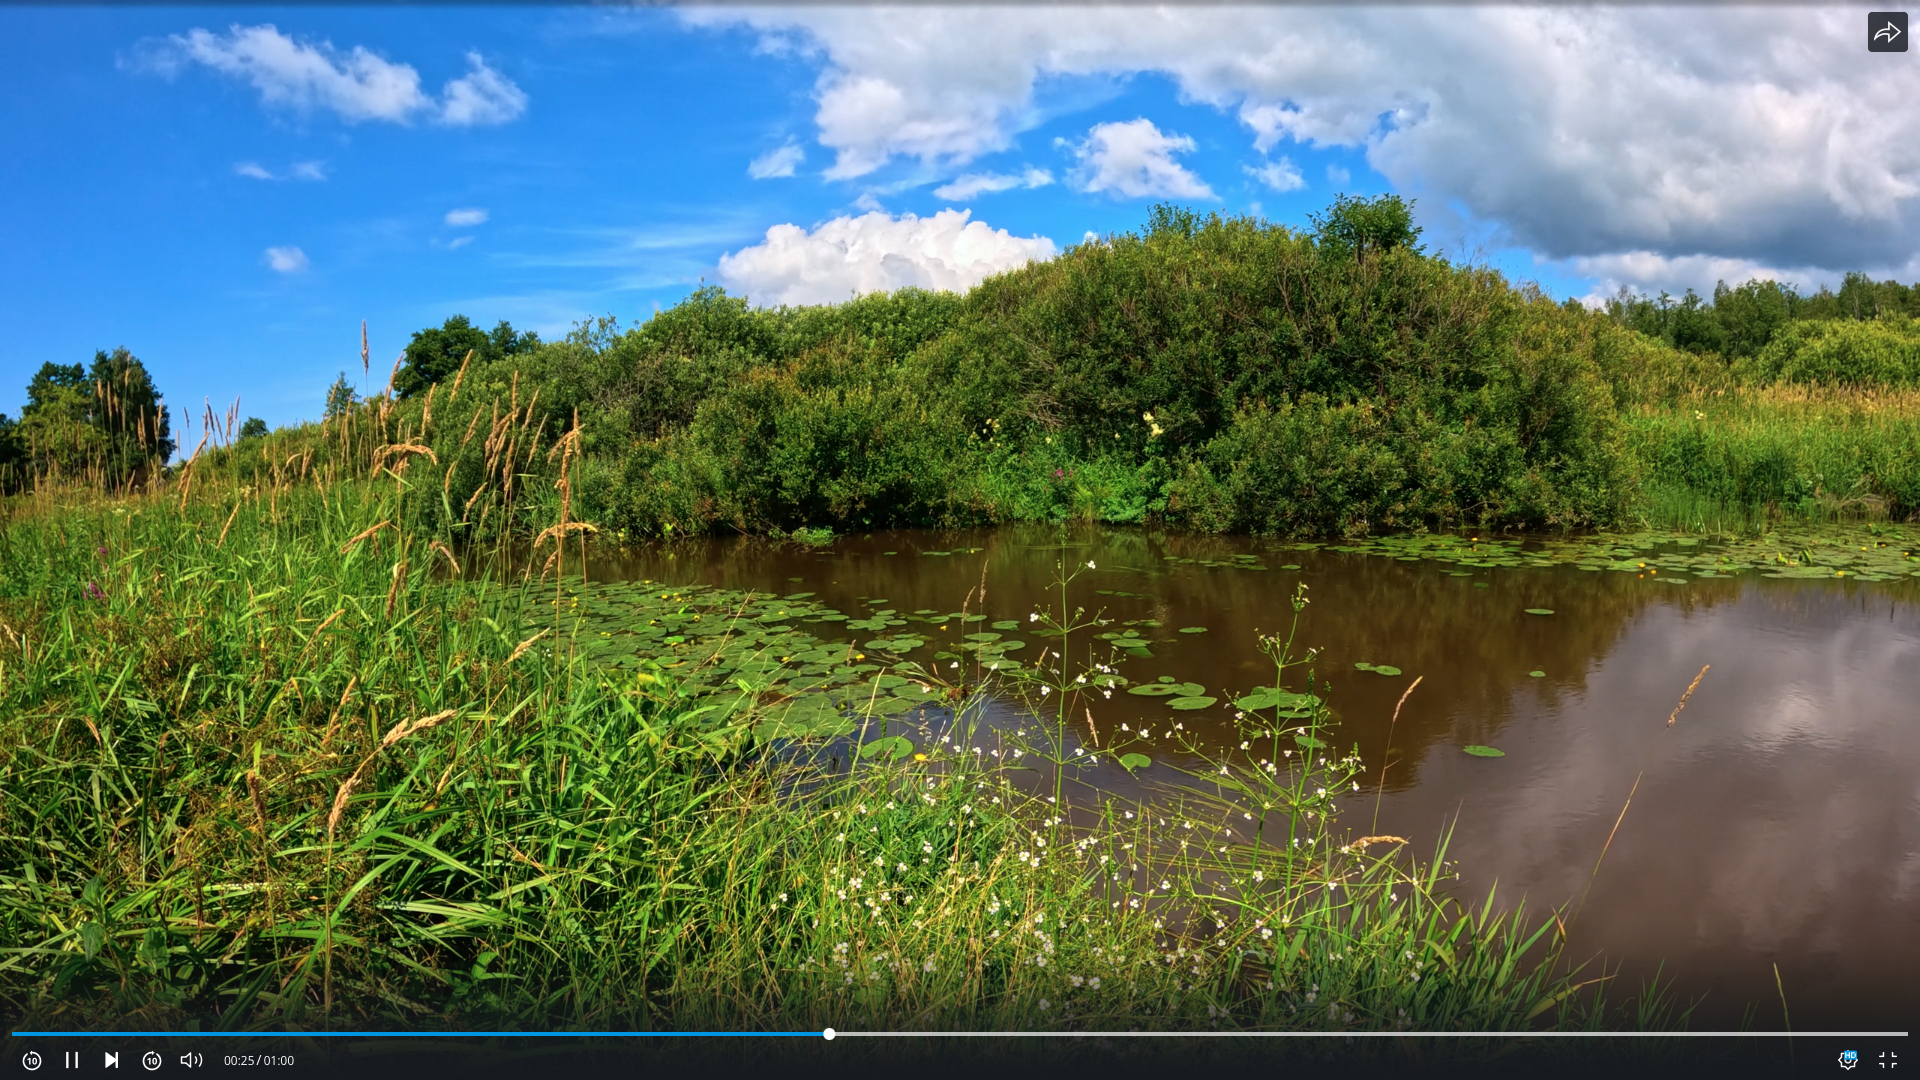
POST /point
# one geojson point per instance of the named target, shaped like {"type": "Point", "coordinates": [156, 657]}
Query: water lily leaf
{"type": "Point", "coordinates": [1537, 674]}
{"type": "Point", "coordinates": [1484, 751]}
{"type": "Point", "coordinates": [1193, 629]}
{"type": "Point", "coordinates": [982, 637]}
{"type": "Point", "coordinates": [1265, 697]}
{"type": "Point", "coordinates": [892, 747]}
{"type": "Point", "coordinates": [1007, 624]}
{"type": "Point", "coordinates": [1309, 742]}
{"type": "Point", "coordinates": [1142, 653]}
{"type": "Point", "coordinates": [1385, 669]}
{"type": "Point", "coordinates": [1200, 702]}
{"type": "Point", "coordinates": [1154, 690]}
{"type": "Point", "coordinates": [1362, 666]}
{"type": "Point", "coordinates": [1539, 611]}
{"type": "Point", "coordinates": [1131, 762]}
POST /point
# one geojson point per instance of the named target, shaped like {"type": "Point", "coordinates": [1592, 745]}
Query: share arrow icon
{"type": "Point", "coordinates": [1886, 31]}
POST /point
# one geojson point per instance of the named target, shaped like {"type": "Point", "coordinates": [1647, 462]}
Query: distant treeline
{"type": "Point", "coordinates": [1213, 373]}
{"type": "Point", "coordinates": [1741, 322]}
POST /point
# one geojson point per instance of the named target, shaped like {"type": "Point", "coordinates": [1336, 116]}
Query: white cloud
{"type": "Point", "coordinates": [459, 242]}
{"type": "Point", "coordinates": [876, 252]}
{"type": "Point", "coordinates": [301, 170]}
{"type": "Point", "coordinates": [780, 161]}
{"type": "Point", "coordinates": [1134, 159]}
{"type": "Point", "coordinates": [461, 219]}
{"type": "Point", "coordinates": [1743, 133]}
{"type": "Point", "coordinates": [1652, 274]}
{"type": "Point", "coordinates": [287, 260]}
{"type": "Point", "coordinates": [962, 188]}
{"type": "Point", "coordinates": [1338, 176]}
{"type": "Point", "coordinates": [481, 96]}
{"type": "Point", "coordinates": [357, 84]}
{"type": "Point", "coordinates": [1280, 175]}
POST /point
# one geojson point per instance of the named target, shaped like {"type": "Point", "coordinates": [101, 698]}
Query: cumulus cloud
{"type": "Point", "coordinates": [1739, 133]}
{"type": "Point", "coordinates": [481, 96]}
{"type": "Point", "coordinates": [357, 84]}
{"type": "Point", "coordinates": [780, 161]}
{"type": "Point", "coordinates": [1134, 159]}
{"type": "Point", "coordinates": [461, 219]}
{"type": "Point", "coordinates": [1279, 175]}
{"type": "Point", "coordinates": [286, 260]}
{"type": "Point", "coordinates": [252, 171]}
{"type": "Point", "coordinates": [876, 252]}
{"type": "Point", "coordinates": [962, 188]}
{"type": "Point", "coordinates": [459, 242]}
{"type": "Point", "coordinates": [308, 170]}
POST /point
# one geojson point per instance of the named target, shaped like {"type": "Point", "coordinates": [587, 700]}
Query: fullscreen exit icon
{"type": "Point", "coordinates": [1886, 31]}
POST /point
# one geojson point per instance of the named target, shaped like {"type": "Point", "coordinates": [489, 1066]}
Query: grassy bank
{"type": "Point", "coordinates": [270, 760]}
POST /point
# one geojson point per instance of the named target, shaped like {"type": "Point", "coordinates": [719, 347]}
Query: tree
{"type": "Point", "coordinates": [128, 407]}
{"type": "Point", "coordinates": [1357, 226]}
{"type": "Point", "coordinates": [340, 398]}
{"type": "Point", "coordinates": [108, 417]}
{"type": "Point", "coordinates": [436, 353]}
{"type": "Point", "coordinates": [254, 428]}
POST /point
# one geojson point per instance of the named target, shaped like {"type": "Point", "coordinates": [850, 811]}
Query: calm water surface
{"type": "Point", "coordinates": [1776, 822]}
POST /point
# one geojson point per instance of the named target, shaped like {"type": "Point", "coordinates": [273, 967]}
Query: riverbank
{"type": "Point", "coordinates": [271, 762]}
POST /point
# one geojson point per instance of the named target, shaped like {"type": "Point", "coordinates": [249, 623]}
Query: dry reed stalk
{"type": "Point", "coordinates": [411, 727]}
{"type": "Point", "coordinates": [349, 545]}
{"type": "Point", "coordinates": [222, 542]}
{"type": "Point", "coordinates": [393, 590]}
{"type": "Point", "coordinates": [464, 439]}
{"type": "Point", "coordinates": [1675, 715]}
{"type": "Point", "coordinates": [454, 395]}
{"type": "Point", "coordinates": [259, 802]}
{"type": "Point", "coordinates": [521, 648]}
{"type": "Point", "coordinates": [334, 720]}
{"type": "Point", "coordinates": [448, 552]}
{"type": "Point", "coordinates": [1389, 747]}
{"type": "Point", "coordinates": [1364, 841]}
{"type": "Point", "coordinates": [405, 452]}
{"type": "Point", "coordinates": [340, 803]}
{"type": "Point", "coordinates": [366, 357]}
{"type": "Point", "coordinates": [426, 413]}
{"type": "Point", "coordinates": [1091, 730]}
{"type": "Point", "coordinates": [398, 360]}
{"type": "Point", "coordinates": [186, 484]}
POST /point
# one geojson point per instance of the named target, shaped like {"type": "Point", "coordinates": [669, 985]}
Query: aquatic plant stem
{"type": "Point", "coordinates": [1387, 750]}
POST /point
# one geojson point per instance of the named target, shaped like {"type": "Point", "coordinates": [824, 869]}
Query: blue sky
{"type": "Point", "coordinates": [228, 192]}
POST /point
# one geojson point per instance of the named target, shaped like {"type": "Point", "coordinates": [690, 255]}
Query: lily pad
{"type": "Point", "coordinates": [1385, 669]}
{"type": "Point", "coordinates": [1269, 698]}
{"type": "Point", "coordinates": [1193, 629]}
{"type": "Point", "coordinates": [892, 747]}
{"type": "Point", "coordinates": [1192, 702]}
{"type": "Point", "coordinates": [1484, 751]}
{"type": "Point", "coordinates": [1539, 611]}
{"type": "Point", "coordinates": [1154, 690]}
{"type": "Point", "coordinates": [1142, 653]}
{"type": "Point", "coordinates": [1309, 742]}
{"type": "Point", "coordinates": [1131, 762]}
{"type": "Point", "coordinates": [1362, 665]}
{"type": "Point", "coordinates": [1537, 674]}
{"type": "Point", "coordinates": [1007, 624]}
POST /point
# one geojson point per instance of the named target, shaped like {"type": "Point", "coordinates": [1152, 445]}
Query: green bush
{"type": "Point", "coordinates": [1882, 352]}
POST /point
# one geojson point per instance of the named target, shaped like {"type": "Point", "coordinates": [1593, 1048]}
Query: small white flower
{"type": "Point", "coordinates": [1090, 565]}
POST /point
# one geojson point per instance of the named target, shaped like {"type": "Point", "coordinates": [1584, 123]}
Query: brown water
{"type": "Point", "coordinates": [1776, 822]}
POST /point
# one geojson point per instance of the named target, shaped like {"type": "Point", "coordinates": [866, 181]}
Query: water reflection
{"type": "Point", "coordinates": [1776, 822]}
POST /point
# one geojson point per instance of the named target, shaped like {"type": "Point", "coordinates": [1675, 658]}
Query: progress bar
{"type": "Point", "coordinates": [832, 1033]}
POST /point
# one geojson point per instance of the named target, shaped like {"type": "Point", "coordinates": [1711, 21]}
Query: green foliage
{"type": "Point", "coordinates": [436, 353]}
{"type": "Point", "coordinates": [106, 422]}
{"type": "Point", "coordinates": [254, 428]}
{"type": "Point", "coordinates": [340, 398]}
{"type": "Point", "coordinates": [1357, 226]}
{"type": "Point", "coordinates": [1884, 352]}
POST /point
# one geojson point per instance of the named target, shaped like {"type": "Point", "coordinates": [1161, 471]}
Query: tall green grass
{"type": "Point", "coordinates": [267, 759]}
